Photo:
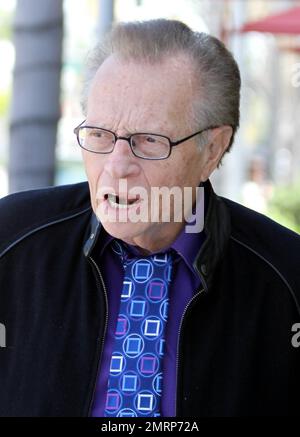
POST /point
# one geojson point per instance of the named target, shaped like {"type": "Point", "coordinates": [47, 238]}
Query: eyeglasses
{"type": "Point", "coordinates": [143, 145]}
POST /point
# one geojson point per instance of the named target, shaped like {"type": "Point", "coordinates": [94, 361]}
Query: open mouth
{"type": "Point", "coordinates": [121, 202]}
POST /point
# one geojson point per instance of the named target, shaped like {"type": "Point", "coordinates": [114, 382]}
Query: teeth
{"type": "Point", "coordinates": [116, 202]}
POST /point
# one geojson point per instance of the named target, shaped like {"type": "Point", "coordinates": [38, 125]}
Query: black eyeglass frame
{"type": "Point", "coordinates": [128, 139]}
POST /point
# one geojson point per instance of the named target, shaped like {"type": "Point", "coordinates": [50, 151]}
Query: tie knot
{"type": "Point", "coordinates": [127, 256]}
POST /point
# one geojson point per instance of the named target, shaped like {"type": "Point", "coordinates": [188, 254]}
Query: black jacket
{"type": "Point", "coordinates": [241, 360]}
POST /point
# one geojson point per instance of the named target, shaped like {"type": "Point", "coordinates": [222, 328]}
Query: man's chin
{"type": "Point", "coordinates": [123, 231]}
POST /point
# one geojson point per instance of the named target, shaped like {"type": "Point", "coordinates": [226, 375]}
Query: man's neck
{"type": "Point", "coordinates": [147, 244]}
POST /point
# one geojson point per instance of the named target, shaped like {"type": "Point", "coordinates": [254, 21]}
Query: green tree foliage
{"type": "Point", "coordinates": [4, 102]}
{"type": "Point", "coordinates": [5, 25]}
{"type": "Point", "coordinates": [6, 18]}
{"type": "Point", "coordinates": [284, 207]}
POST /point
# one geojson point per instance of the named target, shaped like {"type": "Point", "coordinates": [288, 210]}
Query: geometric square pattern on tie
{"type": "Point", "coordinates": [135, 378]}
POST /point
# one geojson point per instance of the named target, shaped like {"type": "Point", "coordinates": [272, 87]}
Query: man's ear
{"type": "Point", "coordinates": [218, 142]}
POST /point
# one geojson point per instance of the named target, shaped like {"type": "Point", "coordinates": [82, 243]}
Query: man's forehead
{"type": "Point", "coordinates": [140, 96]}
{"type": "Point", "coordinates": [116, 69]}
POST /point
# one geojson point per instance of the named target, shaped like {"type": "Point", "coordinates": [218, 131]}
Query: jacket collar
{"type": "Point", "coordinates": [216, 228]}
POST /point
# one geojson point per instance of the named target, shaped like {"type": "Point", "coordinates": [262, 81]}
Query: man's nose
{"type": "Point", "coordinates": [121, 162]}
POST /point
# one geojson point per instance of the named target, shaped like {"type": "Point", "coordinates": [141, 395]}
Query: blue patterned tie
{"type": "Point", "coordinates": [135, 378]}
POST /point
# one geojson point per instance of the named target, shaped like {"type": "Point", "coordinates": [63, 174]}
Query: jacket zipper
{"type": "Point", "coordinates": [178, 342]}
{"type": "Point", "coordinates": [105, 327]}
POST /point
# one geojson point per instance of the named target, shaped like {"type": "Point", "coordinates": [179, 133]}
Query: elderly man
{"type": "Point", "coordinates": [112, 309]}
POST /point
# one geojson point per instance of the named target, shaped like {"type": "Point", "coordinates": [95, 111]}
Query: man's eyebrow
{"type": "Point", "coordinates": [103, 126]}
{"type": "Point", "coordinates": [127, 132]}
{"type": "Point", "coordinates": [95, 124]}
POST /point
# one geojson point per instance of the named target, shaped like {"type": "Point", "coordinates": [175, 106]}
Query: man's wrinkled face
{"type": "Point", "coordinates": [127, 98]}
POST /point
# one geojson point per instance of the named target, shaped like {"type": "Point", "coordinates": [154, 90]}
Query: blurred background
{"type": "Point", "coordinates": [43, 46]}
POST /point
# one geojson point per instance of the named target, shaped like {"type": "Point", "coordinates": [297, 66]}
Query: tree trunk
{"type": "Point", "coordinates": [106, 17]}
{"type": "Point", "coordinates": [35, 111]}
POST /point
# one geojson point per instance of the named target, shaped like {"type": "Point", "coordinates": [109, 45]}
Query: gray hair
{"type": "Point", "coordinates": [150, 41]}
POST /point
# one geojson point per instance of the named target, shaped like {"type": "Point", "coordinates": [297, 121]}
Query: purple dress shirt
{"type": "Point", "coordinates": [185, 284]}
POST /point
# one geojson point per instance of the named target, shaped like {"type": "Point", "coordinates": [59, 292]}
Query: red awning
{"type": "Point", "coordinates": [287, 22]}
